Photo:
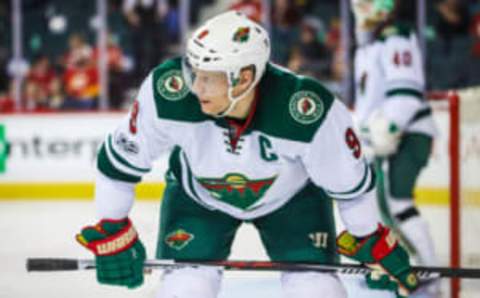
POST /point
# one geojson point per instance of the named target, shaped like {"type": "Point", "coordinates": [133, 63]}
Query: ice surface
{"type": "Point", "coordinates": [47, 229]}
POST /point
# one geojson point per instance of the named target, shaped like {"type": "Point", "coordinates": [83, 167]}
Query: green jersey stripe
{"type": "Point", "coordinates": [405, 91]}
{"type": "Point", "coordinates": [106, 167]}
{"type": "Point", "coordinates": [3, 149]}
{"type": "Point", "coordinates": [364, 185]}
{"type": "Point", "coordinates": [421, 114]}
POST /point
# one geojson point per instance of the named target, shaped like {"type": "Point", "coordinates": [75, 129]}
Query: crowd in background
{"type": "Point", "coordinates": [454, 43]}
{"type": "Point", "coordinates": [62, 56]}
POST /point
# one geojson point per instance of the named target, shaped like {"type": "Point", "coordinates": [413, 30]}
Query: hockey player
{"type": "Point", "coordinates": [248, 142]}
{"type": "Point", "coordinates": [394, 117]}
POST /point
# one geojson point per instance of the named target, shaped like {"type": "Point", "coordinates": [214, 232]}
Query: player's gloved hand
{"type": "Point", "coordinates": [119, 253]}
{"type": "Point", "coordinates": [382, 135]}
{"type": "Point", "coordinates": [381, 252]}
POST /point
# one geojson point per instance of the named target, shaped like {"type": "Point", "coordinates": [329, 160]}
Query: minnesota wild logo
{"type": "Point", "coordinates": [203, 34]}
{"type": "Point", "coordinates": [236, 189]}
{"type": "Point", "coordinates": [171, 85]}
{"type": "Point", "coordinates": [178, 239]}
{"type": "Point", "coordinates": [242, 34]}
{"type": "Point", "coordinates": [306, 107]}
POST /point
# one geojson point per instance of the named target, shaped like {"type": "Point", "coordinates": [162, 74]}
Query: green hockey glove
{"type": "Point", "coordinates": [382, 253]}
{"type": "Point", "coordinates": [119, 253]}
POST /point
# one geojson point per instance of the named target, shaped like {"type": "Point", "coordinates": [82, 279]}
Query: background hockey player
{"type": "Point", "coordinates": [248, 142]}
{"type": "Point", "coordinates": [394, 116]}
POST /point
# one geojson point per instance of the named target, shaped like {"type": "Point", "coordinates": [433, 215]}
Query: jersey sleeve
{"type": "Point", "coordinates": [334, 159]}
{"type": "Point", "coordinates": [129, 150]}
{"type": "Point", "coordinates": [403, 70]}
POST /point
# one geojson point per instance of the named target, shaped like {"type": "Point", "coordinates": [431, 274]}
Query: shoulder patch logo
{"type": "Point", "coordinates": [178, 239]}
{"type": "Point", "coordinates": [171, 85]}
{"type": "Point", "coordinates": [306, 107]}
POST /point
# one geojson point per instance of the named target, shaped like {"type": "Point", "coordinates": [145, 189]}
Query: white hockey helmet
{"type": "Point", "coordinates": [228, 43]}
{"type": "Point", "coordinates": [371, 10]}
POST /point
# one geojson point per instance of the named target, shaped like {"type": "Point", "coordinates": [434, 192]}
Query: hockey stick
{"type": "Point", "coordinates": [51, 264]}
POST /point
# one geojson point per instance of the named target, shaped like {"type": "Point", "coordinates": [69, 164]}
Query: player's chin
{"type": "Point", "coordinates": [209, 109]}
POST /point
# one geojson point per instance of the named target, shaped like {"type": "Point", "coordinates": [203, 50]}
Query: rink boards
{"type": "Point", "coordinates": [53, 155]}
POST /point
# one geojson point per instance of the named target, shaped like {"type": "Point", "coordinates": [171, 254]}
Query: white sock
{"type": "Point", "coordinates": [417, 232]}
{"type": "Point", "coordinates": [312, 285]}
{"type": "Point", "coordinates": [190, 282]}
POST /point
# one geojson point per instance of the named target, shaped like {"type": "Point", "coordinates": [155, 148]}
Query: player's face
{"type": "Point", "coordinates": [211, 88]}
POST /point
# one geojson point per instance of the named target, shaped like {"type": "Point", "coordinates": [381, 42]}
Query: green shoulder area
{"type": "Point", "coordinates": [396, 30]}
{"type": "Point", "coordinates": [173, 99]}
{"type": "Point", "coordinates": [291, 106]}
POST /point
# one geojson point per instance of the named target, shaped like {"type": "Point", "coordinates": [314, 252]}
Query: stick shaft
{"type": "Point", "coordinates": [52, 264]}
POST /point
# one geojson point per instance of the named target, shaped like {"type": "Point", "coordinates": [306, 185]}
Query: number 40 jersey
{"type": "Point", "coordinates": [296, 133]}
{"type": "Point", "coordinates": [389, 77]}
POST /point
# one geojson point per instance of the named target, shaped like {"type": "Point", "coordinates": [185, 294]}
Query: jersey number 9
{"type": "Point", "coordinates": [353, 143]}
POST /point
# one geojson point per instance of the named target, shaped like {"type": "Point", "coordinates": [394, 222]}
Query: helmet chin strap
{"type": "Point", "coordinates": [234, 100]}
{"type": "Point", "coordinates": [230, 108]}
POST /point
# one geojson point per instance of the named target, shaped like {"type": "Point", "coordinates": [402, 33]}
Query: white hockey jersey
{"type": "Point", "coordinates": [389, 76]}
{"type": "Point", "coordinates": [296, 133]}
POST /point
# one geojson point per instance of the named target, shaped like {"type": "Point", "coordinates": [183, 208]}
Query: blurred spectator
{"type": "Point", "coordinates": [310, 56]}
{"type": "Point", "coordinates": [5, 44]}
{"type": "Point", "coordinates": [475, 30]}
{"type": "Point", "coordinates": [146, 20]}
{"type": "Point", "coordinates": [172, 24]}
{"type": "Point", "coordinates": [338, 65]}
{"type": "Point", "coordinates": [195, 10]}
{"type": "Point", "coordinates": [333, 35]}
{"type": "Point", "coordinates": [7, 103]}
{"type": "Point", "coordinates": [81, 76]}
{"type": "Point", "coordinates": [333, 42]}
{"type": "Point", "coordinates": [449, 52]}
{"type": "Point", "coordinates": [115, 58]}
{"type": "Point", "coordinates": [78, 48]}
{"type": "Point", "coordinates": [5, 23]}
{"type": "Point", "coordinates": [286, 19]}
{"type": "Point", "coordinates": [118, 66]}
{"type": "Point", "coordinates": [452, 20]}
{"type": "Point", "coordinates": [41, 85]}
{"type": "Point", "coordinates": [81, 86]}
{"type": "Point", "coordinates": [251, 8]}
{"type": "Point", "coordinates": [4, 79]}
{"type": "Point", "coordinates": [405, 14]}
